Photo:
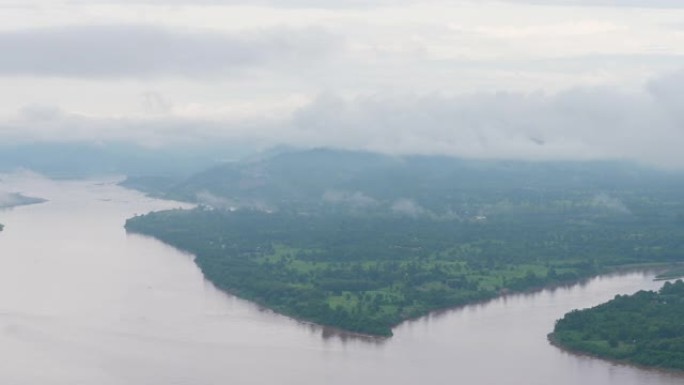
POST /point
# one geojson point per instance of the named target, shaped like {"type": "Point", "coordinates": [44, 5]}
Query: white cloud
{"type": "Point", "coordinates": [149, 51]}
{"type": "Point", "coordinates": [610, 203]}
{"type": "Point", "coordinates": [583, 123]}
{"type": "Point", "coordinates": [577, 124]}
{"type": "Point", "coordinates": [607, 3]}
{"type": "Point", "coordinates": [408, 207]}
{"type": "Point", "coordinates": [355, 199]}
{"type": "Point", "coordinates": [352, 3]}
{"type": "Point", "coordinates": [506, 79]}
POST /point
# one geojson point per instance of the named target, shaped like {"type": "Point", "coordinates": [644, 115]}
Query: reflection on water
{"type": "Point", "coordinates": [82, 302]}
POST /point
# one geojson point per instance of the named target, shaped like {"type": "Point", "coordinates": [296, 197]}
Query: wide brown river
{"type": "Point", "coordinates": [82, 302]}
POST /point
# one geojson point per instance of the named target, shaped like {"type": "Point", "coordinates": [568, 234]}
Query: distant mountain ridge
{"type": "Point", "coordinates": [326, 179]}
{"type": "Point", "coordinates": [86, 159]}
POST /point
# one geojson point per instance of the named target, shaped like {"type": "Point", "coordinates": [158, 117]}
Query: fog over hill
{"type": "Point", "coordinates": [426, 186]}
{"type": "Point", "coordinates": [517, 79]}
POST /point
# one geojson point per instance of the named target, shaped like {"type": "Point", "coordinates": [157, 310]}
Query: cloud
{"type": "Point", "coordinates": [211, 200]}
{"type": "Point", "coordinates": [607, 3]}
{"type": "Point", "coordinates": [583, 123]}
{"type": "Point", "coordinates": [148, 51]}
{"type": "Point", "coordinates": [208, 199]}
{"type": "Point", "coordinates": [610, 203]}
{"type": "Point", "coordinates": [268, 3]}
{"type": "Point", "coordinates": [668, 94]}
{"type": "Point", "coordinates": [321, 4]}
{"type": "Point", "coordinates": [408, 207]}
{"type": "Point", "coordinates": [577, 124]}
{"type": "Point", "coordinates": [46, 123]}
{"type": "Point", "coordinates": [355, 199]}
{"type": "Point", "coordinates": [9, 199]}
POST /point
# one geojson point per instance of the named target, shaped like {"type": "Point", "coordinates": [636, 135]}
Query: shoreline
{"type": "Point", "coordinates": [332, 331]}
{"type": "Point", "coordinates": [619, 270]}
{"type": "Point", "coordinates": [578, 353]}
{"type": "Point", "coordinates": [653, 267]}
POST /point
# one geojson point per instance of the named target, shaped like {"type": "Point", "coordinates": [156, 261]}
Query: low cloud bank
{"type": "Point", "coordinates": [578, 124]}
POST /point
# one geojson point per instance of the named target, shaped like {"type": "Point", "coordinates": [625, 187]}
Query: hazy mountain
{"type": "Point", "coordinates": [87, 159]}
{"type": "Point", "coordinates": [416, 185]}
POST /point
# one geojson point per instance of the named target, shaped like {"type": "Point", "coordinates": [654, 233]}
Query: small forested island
{"type": "Point", "coordinates": [363, 241]}
{"type": "Point", "coordinates": [646, 328]}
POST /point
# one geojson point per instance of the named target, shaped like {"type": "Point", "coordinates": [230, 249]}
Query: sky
{"type": "Point", "coordinates": [522, 79]}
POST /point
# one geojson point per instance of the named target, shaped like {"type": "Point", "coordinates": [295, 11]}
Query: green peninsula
{"type": "Point", "coordinates": [363, 241]}
{"type": "Point", "coordinates": [645, 328]}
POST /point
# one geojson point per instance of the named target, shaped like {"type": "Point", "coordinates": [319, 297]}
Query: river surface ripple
{"type": "Point", "coordinates": [82, 302]}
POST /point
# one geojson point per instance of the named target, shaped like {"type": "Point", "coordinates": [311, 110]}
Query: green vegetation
{"type": "Point", "coordinates": [362, 241]}
{"type": "Point", "coordinates": [645, 328]}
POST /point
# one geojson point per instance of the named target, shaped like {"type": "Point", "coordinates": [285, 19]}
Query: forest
{"type": "Point", "coordinates": [364, 241]}
{"type": "Point", "coordinates": [645, 328]}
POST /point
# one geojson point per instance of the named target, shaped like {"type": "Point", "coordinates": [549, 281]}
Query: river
{"type": "Point", "coordinates": [82, 302]}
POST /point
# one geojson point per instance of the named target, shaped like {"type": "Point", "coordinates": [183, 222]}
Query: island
{"type": "Point", "coordinates": [643, 329]}
{"type": "Point", "coordinates": [362, 241]}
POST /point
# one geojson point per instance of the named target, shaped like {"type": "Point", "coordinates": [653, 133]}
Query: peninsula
{"type": "Point", "coordinates": [644, 329]}
{"type": "Point", "coordinates": [363, 241]}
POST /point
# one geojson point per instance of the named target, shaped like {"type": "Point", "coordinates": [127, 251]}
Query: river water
{"type": "Point", "coordinates": [82, 302]}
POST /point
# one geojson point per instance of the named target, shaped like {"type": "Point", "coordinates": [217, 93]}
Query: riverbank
{"type": "Point", "coordinates": [335, 270]}
{"type": "Point", "coordinates": [644, 328]}
{"type": "Point", "coordinates": [329, 331]}
{"type": "Point", "coordinates": [551, 338]}
{"type": "Point", "coordinates": [675, 272]}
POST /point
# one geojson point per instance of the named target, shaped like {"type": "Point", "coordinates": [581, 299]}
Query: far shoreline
{"type": "Point", "coordinates": [578, 353]}
{"type": "Point", "coordinates": [332, 331]}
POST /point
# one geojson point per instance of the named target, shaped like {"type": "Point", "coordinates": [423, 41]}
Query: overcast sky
{"type": "Point", "coordinates": [533, 79]}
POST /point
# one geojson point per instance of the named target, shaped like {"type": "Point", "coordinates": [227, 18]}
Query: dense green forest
{"type": "Point", "coordinates": [364, 241]}
{"type": "Point", "coordinates": [645, 328]}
